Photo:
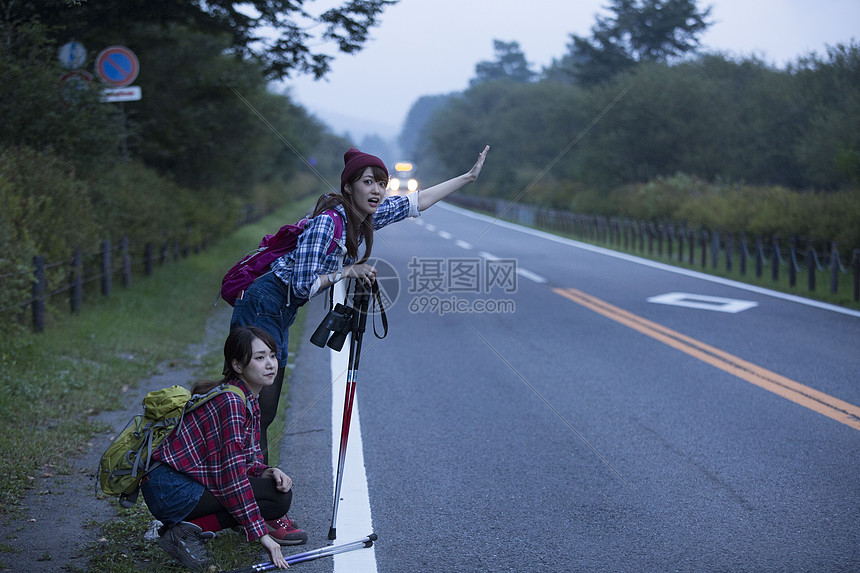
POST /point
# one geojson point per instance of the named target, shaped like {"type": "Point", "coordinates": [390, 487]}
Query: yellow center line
{"type": "Point", "coordinates": [811, 398]}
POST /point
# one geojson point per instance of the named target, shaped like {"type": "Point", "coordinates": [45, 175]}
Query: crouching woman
{"type": "Point", "coordinates": [212, 475]}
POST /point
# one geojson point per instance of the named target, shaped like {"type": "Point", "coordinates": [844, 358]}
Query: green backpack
{"type": "Point", "coordinates": [127, 458]}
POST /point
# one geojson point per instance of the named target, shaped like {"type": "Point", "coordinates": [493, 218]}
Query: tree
{"type": "Point", "coordinates": [637, 31]}
{"type": "Point", "coordinates": [419, 115]}
{"type": "Point", "coordinates": [830, 92]}
{"type": "Point", "coordinates": [277, 33]}
{"type": "Point", "coordinates": [510, 64]}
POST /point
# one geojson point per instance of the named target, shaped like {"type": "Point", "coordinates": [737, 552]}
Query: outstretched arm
{"type": "Point", "coordinates": [430, 196]}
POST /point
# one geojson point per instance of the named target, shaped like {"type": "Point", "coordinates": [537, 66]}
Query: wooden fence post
{"type": "Point", "coordinates": [692, 249]}
{"type": "Point", "coordinates": [76, 292]}
{"type": "Point", "coordinates": [730, 247]}
{"type": "Point", "coordinates": [759, 257]}
{"type": "Point", "coordinates": [715, 249]}
{"type": "Point", "coordinates": [834, 268]}
{"type": "Point", "coordinates": [39, 293]}
{"type": "Point", "coordinates": [147, 259]}
{"type": "Point", "coordinates": [792, 264]}
{"type": "Point", "coordinates": [126, 263]}
{"type": "Point", "coordinates": [774, 271]}
{"type": "Point", "coordinates": [106, 267]}
{"type": "Point", "coordinates": [855, 263]}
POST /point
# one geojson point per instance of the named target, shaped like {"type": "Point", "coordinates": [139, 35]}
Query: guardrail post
{"type": "Point", "coordinates": [792, 264]}
{"type": "Point", "coordinates": [743, 254]}
{"type": "Point", "coordinates": [76, 292]}
{"type": "Point", "coordinates": [774, 271]}
{"type": "Point", "coordinates": [759, 257]}
{"type": "Point", "coordinates": [39, 293]}
{"type": "Point", "coordinates": [730, 247]}
{"type": "Point", "coordinates": [834, 268]}
{"type": "Point", "coordinates": [810, 265]}
{"type": "Point", "coordinates": [147, 259]}
{"type": "Point", "coordinates": [126, 263]}
{"type": "Point", "coordinates": [692, 250]}
{"type": "Point", "coordinates": [106, 267]}
{"type": "Point", "coordinates": [704, 247]}
{"type": "Point", "coordinates": [715, 249]}
{"type": "Point", "coordinates": [625, 232]}
{"type": "Point", "coordinates": [855, 263]}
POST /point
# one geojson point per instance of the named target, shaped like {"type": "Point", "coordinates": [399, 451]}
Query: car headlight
{"type": "Point", "coordinates": [412, 185]}
{"type": "Point", "coordinates": [394, 184]}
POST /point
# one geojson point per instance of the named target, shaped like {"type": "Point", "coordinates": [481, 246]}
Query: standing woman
{"type": "Point", "coordinates": [211, 474]}
{"type": "Point", "coordinates": [272, 301]}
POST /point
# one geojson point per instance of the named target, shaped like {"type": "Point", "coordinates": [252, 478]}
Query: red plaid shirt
{"type": "Point", "coordinates": [218, 444]}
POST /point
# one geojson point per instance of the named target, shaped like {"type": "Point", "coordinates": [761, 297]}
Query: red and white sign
{"type": "Point", "coordinates": [117, 66]}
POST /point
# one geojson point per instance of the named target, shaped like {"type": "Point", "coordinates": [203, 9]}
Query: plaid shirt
{"type": "Point", "coordinates": [218, 444]}
{"type": "Point", "coordinates": [302, 267]}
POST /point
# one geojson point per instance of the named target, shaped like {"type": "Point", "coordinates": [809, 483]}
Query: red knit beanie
{"type": "Point", "coordinates": [354, 161]}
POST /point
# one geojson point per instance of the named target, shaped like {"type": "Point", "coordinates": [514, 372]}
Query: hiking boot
{"type": "Point", "coordinates": [184, 542]}
{"type": "Point", "coordinates": [285, 532]}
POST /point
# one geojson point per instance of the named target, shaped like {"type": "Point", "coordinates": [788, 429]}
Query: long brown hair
{"type": "Point", "coordinates": [238, 347]}
{"type": "Point", "coordinates": [357, 225]}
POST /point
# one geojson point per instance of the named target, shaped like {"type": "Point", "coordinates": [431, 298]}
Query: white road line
{"type": "Point", "coordinates": [444, 234]}
{"type": "Point", "coordinates": [430, 227]}
{"type": "Point", "coordinates": [531, 276]}
{"type": "Point", "coordinates": [353, 512]}
{"type": "Point", "coordinates": [520, 271]}
{"type": "Point", "coordinates": [653, 264]}
{"type": "Point", "coordinates": [463, 244]}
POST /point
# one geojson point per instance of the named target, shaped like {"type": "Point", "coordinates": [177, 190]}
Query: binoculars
{"type": "Point", "coordinates": [338, 322]}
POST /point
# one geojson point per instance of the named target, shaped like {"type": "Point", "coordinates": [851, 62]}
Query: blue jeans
{"type": "Point", "coordinates": [269, 304]}
{"type": "Point", "coordinates": [170, 495]}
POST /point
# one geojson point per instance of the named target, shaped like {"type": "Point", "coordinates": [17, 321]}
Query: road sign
{"type": "Point", "coordinates": [72, 55]}
{"type": "Point", "coordinates": [72, 85]}
{"type": "Point", "coordinates": [117, 66]}
{"type": "Point", "coordinates": [129, 93]}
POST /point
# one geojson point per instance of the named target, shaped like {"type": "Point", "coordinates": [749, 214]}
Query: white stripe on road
{"type": "Point", "coordinates": [520, 271]}
{"type": "Point", "coordinates": [353, 512]}
{"type": "Point", "coordinates": [463, 244]}
{"type": "Point", "coordinates": [531, 276]}
{"type": "Point", "coordinates": [444, 234]}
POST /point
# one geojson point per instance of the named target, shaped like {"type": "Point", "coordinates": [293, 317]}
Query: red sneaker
{"type": "Point", "coordinates": [285, 532]}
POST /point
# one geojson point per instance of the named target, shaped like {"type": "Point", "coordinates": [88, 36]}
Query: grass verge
{"type": "Point", "coordinates": [51, 384]}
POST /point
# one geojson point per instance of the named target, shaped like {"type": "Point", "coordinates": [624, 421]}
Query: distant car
{"type": "Point", "coordinates": [403, 179]}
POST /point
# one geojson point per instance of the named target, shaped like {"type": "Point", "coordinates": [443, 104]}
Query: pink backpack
{"type": "Point", "coordinates": [272, 247]}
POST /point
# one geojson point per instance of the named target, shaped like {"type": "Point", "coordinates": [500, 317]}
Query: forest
{"type": "Point", "coordinates": [660, 131]}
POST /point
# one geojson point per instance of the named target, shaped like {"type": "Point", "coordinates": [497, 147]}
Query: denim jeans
{"type": "Point", "coordinates": [170, 495]}
{"type": "Point", "coordinates": [269, 304]}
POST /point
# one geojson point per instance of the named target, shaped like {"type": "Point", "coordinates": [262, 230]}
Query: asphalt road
{"type": "Point", "coordinates": [564, 422]}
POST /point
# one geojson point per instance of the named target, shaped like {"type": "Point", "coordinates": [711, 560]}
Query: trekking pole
{"type": "Point", "coordinates": [360, 301]}
{"type": "Point", "coordinates": [329, 551]}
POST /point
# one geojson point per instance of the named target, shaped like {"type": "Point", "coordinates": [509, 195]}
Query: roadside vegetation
{"type": "Point", "coordinates": [635, 121]}
{"type": "Point", "coordinates": [53, 383]}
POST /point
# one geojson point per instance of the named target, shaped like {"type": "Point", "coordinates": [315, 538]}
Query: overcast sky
{"type": "Point", "coordinates": [430, 47]}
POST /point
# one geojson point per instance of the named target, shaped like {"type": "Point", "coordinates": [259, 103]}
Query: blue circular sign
{"type": "Point", "coordinates": [117, 66]}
